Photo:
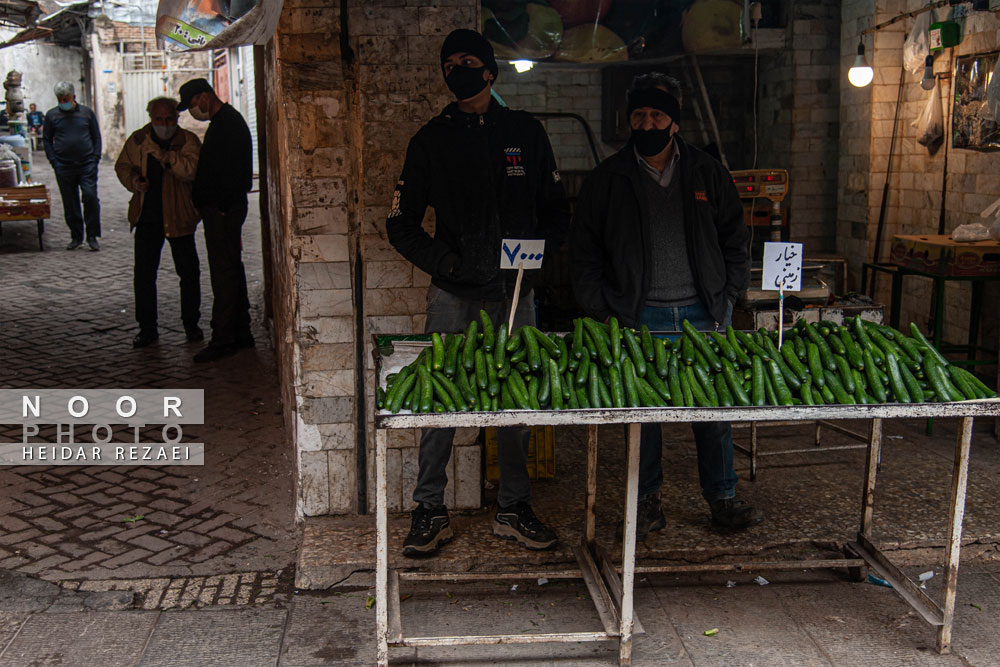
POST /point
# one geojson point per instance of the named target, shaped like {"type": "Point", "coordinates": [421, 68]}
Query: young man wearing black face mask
{"type": "Point", "coordinates": [659, 237]}
{"type": "Point", "coordinates": [489, 174]}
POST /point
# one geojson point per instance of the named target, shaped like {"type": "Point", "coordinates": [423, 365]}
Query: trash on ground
{"type": "Point", "coordinates": [926, 576]}
{"type": "Point", "coordinates": [369, 602]}
{"type": "Point", "coordinates": [711, 633]}
{"type": "Point", "coordinates": [894, 437]}
{"type": "Point", "coordinates": [878, 581]}
{"type": "Point", "coordinates": [513, 588]}
{"type": "Point", "coordinates": [542, 581]}
{"type": "Point", "coordinates": [761, 580]}
{"type": "Point", "coordinates": [730, 584]}
{"type": "Point", "coordinates": [973, 604]}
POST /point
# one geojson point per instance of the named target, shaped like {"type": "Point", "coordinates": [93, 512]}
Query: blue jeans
{"type": "Point", "coordinates": [74, 182]}
{"type": "Point", "coordinates": [714, 440]}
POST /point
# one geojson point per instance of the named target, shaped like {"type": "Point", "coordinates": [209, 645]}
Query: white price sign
{"type": "Point", "coordinates": [782, 267]}
{"type": "Point", "coordinates": [514, 252]}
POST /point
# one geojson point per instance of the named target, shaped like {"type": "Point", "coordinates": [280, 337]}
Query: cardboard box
{"type": "Point", "coordinates": [939, 255]}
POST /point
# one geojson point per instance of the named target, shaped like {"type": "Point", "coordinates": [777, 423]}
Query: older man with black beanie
{"type": "Point", "coordinates": [658, 238]}
{"type": "Point", "coordinates": [489, 174]}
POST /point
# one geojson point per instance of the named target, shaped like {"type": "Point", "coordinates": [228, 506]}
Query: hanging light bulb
{"type": "Point", "coordinates": [860, 74]}
{"type": "Point", "coordinates": [927, 83]}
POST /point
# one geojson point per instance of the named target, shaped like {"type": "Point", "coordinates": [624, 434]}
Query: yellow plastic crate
{"type": "Point", "coordinates": [541, 454]}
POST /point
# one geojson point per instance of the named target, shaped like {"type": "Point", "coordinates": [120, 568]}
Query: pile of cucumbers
{"type": "Point", "coordinates": [603, 365]}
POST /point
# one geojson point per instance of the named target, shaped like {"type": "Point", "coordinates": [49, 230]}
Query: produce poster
{"type": "Point", "coordinates": [972, 124]}
{"type": "Point", "coordinates": [589, 31]}
{"type": "Point", "coordinates": [191, 25]}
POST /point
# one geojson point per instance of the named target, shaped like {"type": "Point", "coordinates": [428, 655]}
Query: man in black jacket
{"type": "Point", "coordinates": [659, 237]}
{"type": "Point", "coordinates": [489, 174]}
{"type": "Point", "coordinates": [224, 176]}
{"type": "Point", "coordinates": [72, 142]}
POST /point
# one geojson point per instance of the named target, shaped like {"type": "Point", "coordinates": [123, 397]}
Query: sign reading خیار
{"type": "Point", "coordinates": [782, 267]}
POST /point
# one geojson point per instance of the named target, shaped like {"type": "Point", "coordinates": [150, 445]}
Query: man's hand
{"type": "Point", "coordinates": [140, 184]}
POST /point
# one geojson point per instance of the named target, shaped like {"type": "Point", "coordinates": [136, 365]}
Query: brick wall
{"type": "Point", "coordinates": [914, 202]}
{"type": "Point", "coordinates": [337, 132]}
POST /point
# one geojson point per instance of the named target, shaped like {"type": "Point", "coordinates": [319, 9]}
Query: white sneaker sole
{"type": "Point", "coordinates": [506, 532]}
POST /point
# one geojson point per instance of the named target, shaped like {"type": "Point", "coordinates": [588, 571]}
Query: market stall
{"type": "Point", "coordinates": [417, 362]}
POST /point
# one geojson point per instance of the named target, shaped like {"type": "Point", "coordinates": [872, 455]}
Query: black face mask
{"type": "Point", "coordinates": [651, 142]}
{"type": "Point", "coordinates": [466, 82]}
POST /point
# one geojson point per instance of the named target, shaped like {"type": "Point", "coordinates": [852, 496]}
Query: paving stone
{"type": "Point", "coordinates": [220, 638]}
{"type": "Point", "coordinates": [105, 638]}
{"type": "Point", "coordinates": [126, 558]}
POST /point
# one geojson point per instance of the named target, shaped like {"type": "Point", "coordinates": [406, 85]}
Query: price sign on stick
{"type": "Point", "coordinates": [782, 272]}
{"type": "Point", "coordinates": [520, 254]}
{"type": "Point", "coordinates": [517, 252]}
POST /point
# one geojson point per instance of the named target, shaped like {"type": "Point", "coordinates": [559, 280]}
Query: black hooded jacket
{"type": "Point", "coordinates": [488, 177]}
{"type": "Point", "coordinates": [610, 244]}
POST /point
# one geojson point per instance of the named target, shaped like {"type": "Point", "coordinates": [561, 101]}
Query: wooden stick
{"type": "Point", "coordinates": [517, 295]}
{"type": "Point", "coordinates": [781, 316]}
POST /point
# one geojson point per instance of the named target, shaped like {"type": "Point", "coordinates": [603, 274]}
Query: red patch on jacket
{"type": "Point", "coordinates": [701, 195]}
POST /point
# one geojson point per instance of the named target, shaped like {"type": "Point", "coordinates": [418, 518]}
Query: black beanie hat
{"type": "Point", "coordinates": [469, 41]}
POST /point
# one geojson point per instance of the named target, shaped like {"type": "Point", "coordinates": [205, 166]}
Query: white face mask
{"type": "Point", "coordinates": [198, 114]}
{"type": "Point", "coordinates": [165, 132]}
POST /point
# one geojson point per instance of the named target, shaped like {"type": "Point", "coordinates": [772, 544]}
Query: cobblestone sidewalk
{"type": "Point", "coordinates": [66, 320]}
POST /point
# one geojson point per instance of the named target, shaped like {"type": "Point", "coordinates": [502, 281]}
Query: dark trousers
{"type": "Point", "coordinates": [449, 313]}
{"type": "Point", "coordinates": [148, 247]}
{"type": "Point", "coordinates": [230, 303]}
{"type": "Point", "coordinates": [713, 440]}
{"type": "Point", "coordinates": [74, 181]}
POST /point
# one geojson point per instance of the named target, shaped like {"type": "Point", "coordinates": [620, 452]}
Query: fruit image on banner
{"type": "Point", "coordinates": [597, 31]}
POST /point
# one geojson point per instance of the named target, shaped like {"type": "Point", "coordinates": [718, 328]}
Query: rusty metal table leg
{"type": "Point", "coordinates": [628, 546]}
{"type": "Point", "coordinates": [590, 520]}
{"type": "Point", "coordinates": [871, 471]}
{"type": "Point", "coordinates": [381, 553]}
{"type": "Point", "coordinates": [959, 482]}
{"type": "Point", "coordinates": [753, 451]}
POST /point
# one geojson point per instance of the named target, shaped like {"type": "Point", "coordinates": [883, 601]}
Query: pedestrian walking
{"type": "Point", "coordinates": [72, 143]}
{"type": "Point", "coordinates": [221, 183]}
{"type": "Point", "coordinates": [157, 165]}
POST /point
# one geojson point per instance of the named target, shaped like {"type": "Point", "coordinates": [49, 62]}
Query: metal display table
{"type": "Point", "coordinates": [613, 595]}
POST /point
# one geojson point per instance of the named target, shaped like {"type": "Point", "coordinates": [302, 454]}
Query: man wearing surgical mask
{"type": "Point", "coordinates": [225, 175]}
{"type": "Point", "coordinates": [157, 165]}
{"type": "Point", "coordinates": [658, 237]}
{"type": "Point", "coordinates": [72, 141]}
{"type": "Point", "coordinates": [489, 174]}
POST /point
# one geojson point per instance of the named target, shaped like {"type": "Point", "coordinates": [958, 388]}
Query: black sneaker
{"type": "Point", "coordinates": [649, 517]}
{"type": "Point", "coordinates": [429, 529]}
{"type": "Point", "coordinates": [145, 338]}
{"type": "Point", "coordinates": [520, 523]}
{"type": "Point", "coordinates": [94, 245]}
{"type": "Point", "coordinates": [74, 244]}
{"type": "Point", "coordinates": [194, 333]}
{"type": "Point", "coordinates": [734, 514]}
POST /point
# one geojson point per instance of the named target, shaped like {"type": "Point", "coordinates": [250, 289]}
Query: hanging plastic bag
{"type": "Point", "coordinates": [930, 122]}
{"type": "Point", "coordinates": [993, 93]}
{"type": "Point", "coordinates": [917, 45]}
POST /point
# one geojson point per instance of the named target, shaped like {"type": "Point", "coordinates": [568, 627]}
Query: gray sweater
{"type": "Point", "coordinates": [671, 283]}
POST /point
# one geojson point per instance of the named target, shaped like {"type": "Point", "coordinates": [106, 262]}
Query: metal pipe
{"type": "Point", "coordinates": [708, 111]}
{"type": "Point", "coordinates": [751, 567]}
{"type": "Point", "coordinates": [877, 253]}
{"type": "Point", "coordinates": [959, 485]}
{"type": "Point", "coordinates": [480, 640]}
{"type": "Point", "coordinates": [807, 450]}
{"type": "Point", "coordinates": [381, 553]}
{"type": "Point", "coordinates": [590, 518]}
{"type": "Point", "coordinates": [628, 546]}
{"type": "Point", "coordinates": [488, 576]}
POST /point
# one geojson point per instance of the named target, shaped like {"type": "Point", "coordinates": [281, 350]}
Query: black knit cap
{"type": "Point", "coordinates": [469, 41]}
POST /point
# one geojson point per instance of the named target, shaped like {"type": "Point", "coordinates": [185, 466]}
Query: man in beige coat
{"type": "Point", "coordinates": [157, 165]}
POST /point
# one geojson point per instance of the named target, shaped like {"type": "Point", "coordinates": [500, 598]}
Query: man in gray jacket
{"type": "Point", "coordinates": [72, 142]}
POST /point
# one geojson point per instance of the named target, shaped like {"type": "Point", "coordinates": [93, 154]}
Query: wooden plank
{"type": "Point", "coordinates": [395, 624]}
{"type": "Point", "coordinates": [599, 594]}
